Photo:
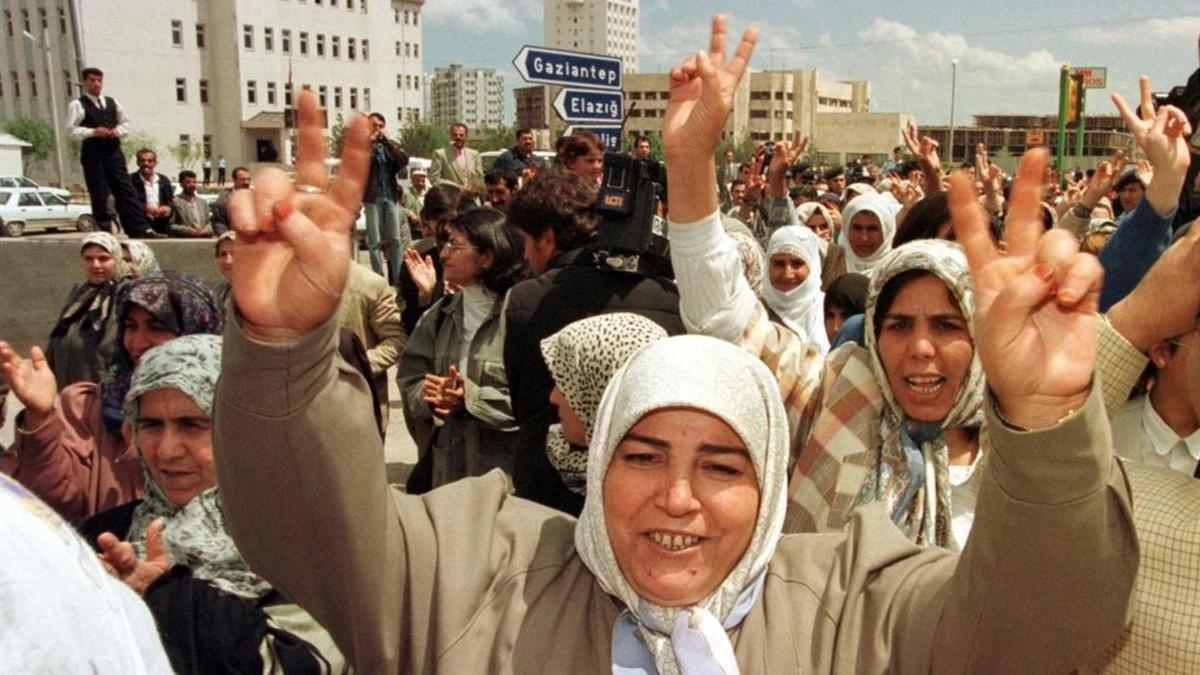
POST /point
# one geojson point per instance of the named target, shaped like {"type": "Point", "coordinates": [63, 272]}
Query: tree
{"type": "Point", "coordinates": [656, 146]}
{"type": "Point", "coordinates": [492, 138]}
{"type": "Point", "coordinates": [337, 136]}
{"type": "Point", "coordinates": [37, 133]}
{"type": "Point", "coordinates": [137, 141]}
{"type": "Point", "coordinates": [186, 154]}
{"type": "Point", "coordinates": [420, 139]}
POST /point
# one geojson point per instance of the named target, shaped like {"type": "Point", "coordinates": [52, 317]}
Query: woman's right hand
{"type": "Point", "coordinates": [293, 247]}
{"type": "Point", "coordinates": [31, 381]}
{"type": "Point", "coordinates": [422, 271]}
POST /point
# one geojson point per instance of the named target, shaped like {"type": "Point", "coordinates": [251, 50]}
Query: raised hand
{"type": "Point", "coordinates": [31, 381]}
{"type": "Point", "coordinates": [1162, 136]}
{"type": "Point", "coordinates": [293, 247]}
{"type": "Point", "coordinates": [785, 156]}
{"type": "Point", "coordinates": [925, 149]}
{"type": "Point", "coordinates": [422, 271]}
{"type": "Point", "coordinates": [122, 562]}
{"type": "Point", "coordinates": [1035, 318]}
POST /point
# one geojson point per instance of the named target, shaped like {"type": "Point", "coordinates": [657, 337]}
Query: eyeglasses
{"type": "Point", "coordinates": [455, 248]}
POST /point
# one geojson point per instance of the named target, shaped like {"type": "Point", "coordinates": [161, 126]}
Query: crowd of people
{"type": "Point", "coordinates": [854, 419]}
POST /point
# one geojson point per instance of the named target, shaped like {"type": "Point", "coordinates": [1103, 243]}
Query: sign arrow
{"type": "Point", "coordinates": [583, 105]}
{"type": "Point", "coordinates": [570, 69]}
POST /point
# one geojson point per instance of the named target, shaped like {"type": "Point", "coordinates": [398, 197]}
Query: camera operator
{"type": "Point", "coordinates": [556, 218]}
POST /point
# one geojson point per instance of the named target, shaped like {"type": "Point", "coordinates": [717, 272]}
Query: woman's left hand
{"type": "Point", "coordinates": [121, 561]}
{"type": "Point", "coordinates": [1035, 318]}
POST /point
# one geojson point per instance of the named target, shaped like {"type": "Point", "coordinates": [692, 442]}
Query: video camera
{"type": "Point", "coordinates": [1185, 97]}
{"type": "Point", "coordinates": [631, 236]}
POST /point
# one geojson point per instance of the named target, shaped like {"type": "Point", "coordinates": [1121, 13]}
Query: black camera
{"type": "Point", "coordinates": [1185, 97]}
{"type": "Point", "coordinates": [631, 236]}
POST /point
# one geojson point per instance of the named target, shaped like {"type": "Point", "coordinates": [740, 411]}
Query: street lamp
{"type": "Point", "coordinates": [953, 92]}
{"type": "Point", "coordinates": [44, 43]}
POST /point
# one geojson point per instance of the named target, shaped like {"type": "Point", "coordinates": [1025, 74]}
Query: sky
{"type": "Point", "coordinates": [1008, 52]}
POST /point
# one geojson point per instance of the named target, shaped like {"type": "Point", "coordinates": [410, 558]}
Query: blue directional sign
{"type": "Point", "coordinates": [583, 105]}
{"type": "Point", "coordinates": [570, 69]}
{"type": "Point", "coordinates": [610, 136]}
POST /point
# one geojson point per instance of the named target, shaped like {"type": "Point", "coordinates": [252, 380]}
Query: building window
{"type": "Point", "coordinates": [248, 36]}
{"type": "Point", "coordinates": [366, 44]}
{"type": "Point", "coordinates": [42, 16]}
{"type": "Point", "coordinates": [185, 140]}
{"type": "Point", "coordinates": [269, 39]}
{"type": "Point", "coordinates": [285, 40]}
{"type": "Point", "coordinates": [32, 84]}
{"type": "Point", "coordinates": [399, 81]}
{"type": "Point", "coordinates": [351, 49]}
{"type": "Point", "coordinates": [396, 19]}
{"type": "Point", "coordinates": [337, 97]}
{"type": "Point", "coordinates": [335, 46]}
{"type": "Point", "coordinates": [416, 16]}
{"type": "Point", "coordinates": [270, 93]}
{"type": "Point", "coordinates": [8, 24]}
{"type": "Point", "coordinates": [323, 95]}
{"type": "Point", "coordinates": [67, 82]}
{"type": "Point", "coordinates": [177, 33]}
{"type": "Point", "coordinates": [287, 95]}
{"type": "Point", "coordinates": [400, 115]}
{"type": "Point", "coordinates": [62, 21]}
{"type": "Point", "coordinates": [200, 36]}
{"type": "Point", "coordinates": [397, 47]}
{"type": "Point", "coordinates": [208, 145]}
{"type": "Point", "coordinates": [25, 21]}
{"type": "Point", "coordinates": [362, 7]}
{"type": "Point", "coordinates": [252, 92]}
{"type": "Point", "coordinates": [416, 51]}
{"type": "Point", "coordinates": [180, 90]}
{"type": "Point", "coordinates": [303, 43]}
{"type": "Point", "coordinates": [321, 44]}
{"type": "Point", "coordinates": [204, 92]}
{"type": "Point", "coordinates": [2, 85]}
{"type": "Point", "coordinates": [406, 17]}
{"type": "Point", "coordinates": [354, 98]}
{"type": "Point", "coordinates": [367, 98]}
{"type": "Point", "coordinates": [16, 84]}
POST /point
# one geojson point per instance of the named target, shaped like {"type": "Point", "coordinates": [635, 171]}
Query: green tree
{"type": "Point", "coordinates": [656, 145]}
{"type": "Point", "coordinates": [420, 139]}
{"type": "Point", "coordinates": [186, 154]}
{"type": "Point", "coordinates": [337, 136]}
{"type": "Point", "coordinates": [138, 140]}
{"type": "Point", "coordinates": [743, 149]}
{"type": "Point", "coordinates": [492, 138]}
{"type": "Point", "coordinates": [37, 133]}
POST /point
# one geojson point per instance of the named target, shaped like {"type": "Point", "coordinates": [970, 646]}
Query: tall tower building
{"type": "Point", "coordinates": [473, 96]}
{"type": "Point", "coordinates": [594, 26]}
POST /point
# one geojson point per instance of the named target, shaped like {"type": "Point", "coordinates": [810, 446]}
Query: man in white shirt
{"type": "Point", "coordinates": [99, 123]}
{"type": "Point", "coordinates": [1162, 428]}
{"type": "Point", "coordinates": [153, 190]}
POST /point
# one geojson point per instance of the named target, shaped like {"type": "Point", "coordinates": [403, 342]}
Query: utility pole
{"type": "Point", "coordinates": [44, 43]}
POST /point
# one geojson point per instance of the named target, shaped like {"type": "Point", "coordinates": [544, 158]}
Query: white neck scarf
{"type": "Point", "coordinates": [870, 203]}
{"type": "Point", "coordinates": [802, 309]}
{"type": "Point", "coordinates": [702, 373]}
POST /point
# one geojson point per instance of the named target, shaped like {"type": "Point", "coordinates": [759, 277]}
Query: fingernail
{"type": "Point", "coordinates": [1044, 272]}
{"type": "Point", "coordinates": [282, 210]}
{"type": "Point", "coordinates": [265, 222]}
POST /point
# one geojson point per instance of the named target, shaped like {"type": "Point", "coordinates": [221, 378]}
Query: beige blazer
{"type": "Point", "coordinates": [445, 169]}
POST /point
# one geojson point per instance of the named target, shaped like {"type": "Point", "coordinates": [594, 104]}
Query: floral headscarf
{"type": "Point", "coordinates": [582, 358]}
{"type": "Point", "coordinates": [754, 261]}
{"type": "Point", "coordinates": [93, 304]}
{"type": "Point", "coordinates": [142, 257]}
{"type": "Point", "coordinates": [194, 534]}
{"type": "Point", "coordinates": [714, 376]}
{"type": "Point", "coordinates": [181, 302]}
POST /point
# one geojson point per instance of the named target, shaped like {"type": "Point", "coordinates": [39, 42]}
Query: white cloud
{"type": "Point", "coordinates": [484, 16]}
{"type": "Point", "coordinates": [1144, 32]}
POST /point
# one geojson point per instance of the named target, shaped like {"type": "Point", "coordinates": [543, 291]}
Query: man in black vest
{"type": "Point", "coordinates": [100, 123]}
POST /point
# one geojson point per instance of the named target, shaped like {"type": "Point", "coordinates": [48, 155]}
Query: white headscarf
{"type": "Point", "coordinates": [702, 373]}
{"type": "Point", "coordinates": [802, 309]}
{"type": "Point", "coordinates": [871, 203]}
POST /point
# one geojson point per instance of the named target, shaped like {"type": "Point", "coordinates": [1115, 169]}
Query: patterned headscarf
{"type": "Point", "coordinates": [714, 376]}
{"type": "Point", "coordinates": [144, 262]}
{"type": "Point", "coordinates": [754, 261]}
{"type": "Point", "coordinates": [802, 309]}
{"type": "Point", "coordinates": [871, 203]}
{"type": "Point", "coordinates": [181, 302]}
{"type": "Point", "coordinates": [582, 358]}
{"type": "Point", "coordinates": [90, 304]}
{"type": "Point", "coordinates": [194, 534]}
{"type": "Point", "coordinates": [109, 243]}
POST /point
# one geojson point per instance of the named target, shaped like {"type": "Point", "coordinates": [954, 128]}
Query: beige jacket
{"type": "Point", "coordinates": [444, 168]}
{"type": "Point", "coordinates": [468, 579]}
{"type": "Point", "coordinates": [369, 311]}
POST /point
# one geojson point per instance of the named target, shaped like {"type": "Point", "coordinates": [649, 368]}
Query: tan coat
{"type": "Point", "coordinates": [468, 579]}
{"type": "Point", "coordinates": [444, 168]}
{"type": "Point", "coordinates": [369, 311]}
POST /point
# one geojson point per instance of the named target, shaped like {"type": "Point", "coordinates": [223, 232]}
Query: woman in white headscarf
{"type": "Point", "coordinates": [793, 290]}
{"type": "Point", "coordinates": [868, 226]}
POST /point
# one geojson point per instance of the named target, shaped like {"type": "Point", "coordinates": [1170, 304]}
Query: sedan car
{"type": "Point", "coordinates": [23, 209]}
{"type": "Point", "coordinates": [7, 182]}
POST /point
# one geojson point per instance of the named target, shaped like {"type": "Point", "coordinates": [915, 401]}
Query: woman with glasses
{"type": "Point", "coordinates": [452, 374]}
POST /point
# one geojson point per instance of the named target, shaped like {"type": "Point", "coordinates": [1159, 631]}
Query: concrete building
{"type": "Point", "coordinates": [768, 105]}
{"type": "Point", "coordinates": [473, 96]}
{"type": "Point", "coordinates": [218, 75]}
{"type": "Point", "coordinates": [1008, 136]}
{"type": "Point", "coordinates": [533, 106]}
{"type": "Point", "coordinates": [594, 26]}
{"type": "Point", "coordinates": [841, 137]}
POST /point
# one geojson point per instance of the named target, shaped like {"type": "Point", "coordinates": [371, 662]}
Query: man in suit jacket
{"type": "Point", "coordinates": [457, 163]}
{"type": "Point", "coordinates": [154, 191]}
{"type": "Point", "coordinates": [190, 217]}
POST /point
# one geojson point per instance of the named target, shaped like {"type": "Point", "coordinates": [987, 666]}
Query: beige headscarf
{"type": "Point", "coordinates": [702, 373]}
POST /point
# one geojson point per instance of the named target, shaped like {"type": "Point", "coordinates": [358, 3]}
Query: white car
{"type": "Point", "coordinates": [23, 209]}
{"type": "Point", "coordinates": [7, 182]}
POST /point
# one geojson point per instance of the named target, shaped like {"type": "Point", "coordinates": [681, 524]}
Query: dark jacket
{"type": "Point", "coordinates": [572, 289]}
{"type": "Point", "coordinates": [389, 169]}
{"type": "Point", "coordinates": [166, 192]}
{"type": "Point", "coordinates": [512, 161]}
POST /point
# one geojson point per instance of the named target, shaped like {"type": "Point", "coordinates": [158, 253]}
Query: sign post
{"type": "Point", "coordinates": [1089, 77]}
{"type": "Point", "coordinates": [591, 96]}
{"type": "Point", "coordinates": [1064, 95]}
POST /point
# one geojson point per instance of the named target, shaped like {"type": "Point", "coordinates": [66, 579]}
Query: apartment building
{"type": "Point", "coordinates": [594, 26]}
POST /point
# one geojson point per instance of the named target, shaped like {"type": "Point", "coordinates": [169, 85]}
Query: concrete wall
{"type": "Point", "coordinates": [37, 274]}
{"type": "Point", "coordinates": [853, 134]}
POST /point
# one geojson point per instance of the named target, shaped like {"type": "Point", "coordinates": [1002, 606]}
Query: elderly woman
{"type": "Point", "coordinates": [84, 338]}
{"type": "Point", "coordinates": [213, 612]}
{"type": "Point", "coordinates": [68, 447]}
{"type": "Point", "coordinates": [451, 374]}
{"type": "Point", "coordinates": [677, 564]}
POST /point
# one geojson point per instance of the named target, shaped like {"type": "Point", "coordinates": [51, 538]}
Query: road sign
{"type": "Point", "coordinates": [571, 69]}
{"type": "Point", "coordinates": [584, 105]}
{"type": "Point", "coordinates": [1093, 77]}
{"type": "Point", "coordinates": [609, 135]}
{"type": "Point", "coordinates": [1034, 138]}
